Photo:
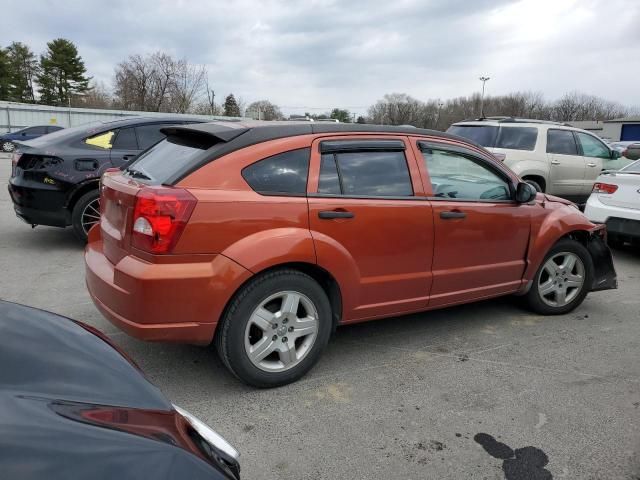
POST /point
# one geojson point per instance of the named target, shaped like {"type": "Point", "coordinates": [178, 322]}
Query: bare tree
{"type": "Point", "coordinates": [263, 110]}
{"type": "Point", "coordinates": [158, 83]}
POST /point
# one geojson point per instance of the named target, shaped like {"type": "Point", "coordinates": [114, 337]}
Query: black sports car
{"type": "Point", "coordinates": [54, 179]}
{"type": "Point", "coordinates": [74, 406]}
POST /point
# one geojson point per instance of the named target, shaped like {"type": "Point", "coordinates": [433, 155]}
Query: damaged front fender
{"type": "Point", "coordinates": [604, 273]}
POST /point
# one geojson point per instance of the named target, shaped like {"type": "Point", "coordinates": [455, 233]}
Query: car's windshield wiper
{"type": "Point", "coordinates": [137, 173]}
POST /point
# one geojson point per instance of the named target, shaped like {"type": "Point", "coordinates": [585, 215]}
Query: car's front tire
{"type": "Point", "coordinates": [8, 146]}
{"type": "Point", "coordinates": [275, 328]}
{"type": "Point", "coordinates": [563, 279]}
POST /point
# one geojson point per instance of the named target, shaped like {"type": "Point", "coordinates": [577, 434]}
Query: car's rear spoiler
{"type": "Point", "coordinates": [216, 133]}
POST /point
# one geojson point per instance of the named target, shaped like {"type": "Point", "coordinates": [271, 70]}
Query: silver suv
{"type": "Point", "coordinates": [553, 157]}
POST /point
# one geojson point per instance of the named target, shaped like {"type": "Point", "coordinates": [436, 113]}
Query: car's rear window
{"type": "Point", "coordinates": [513, 138]}
{"type": "Point", "coordinates": [165, 159]}
{"type": "Point", "coordinates": [484, 135]}
{"type": "Point", "coordinates": [517, 138]}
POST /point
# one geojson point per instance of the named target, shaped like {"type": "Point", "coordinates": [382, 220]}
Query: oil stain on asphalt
{"type": "Point", "coordinates": [525, 463]}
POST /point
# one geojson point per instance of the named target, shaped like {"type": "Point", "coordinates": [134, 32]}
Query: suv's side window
{"type": "Point", "coordinates": [149, 135]}
{"type": "Point", "coordinates": [455, 176]}
{"type": "Point", "coordinates": [371, 173]}
{"type": "Point", "coordinates": [592, 147]}
{"type": "Point", "coordinates": [561, 142]}
{"type": "Point", "coordinates": [125, 139]}
{"type": "Point", "coordinates": [285, 173]}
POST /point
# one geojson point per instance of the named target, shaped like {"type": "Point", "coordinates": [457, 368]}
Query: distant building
{"type": "Point", "coordinates": [618, 129]}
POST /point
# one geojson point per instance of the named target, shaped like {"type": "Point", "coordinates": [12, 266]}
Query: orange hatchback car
{"type": "Point", "coordinates": [262, 238]}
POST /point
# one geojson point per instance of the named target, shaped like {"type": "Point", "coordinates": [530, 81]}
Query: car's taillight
{"type": "Point", "coordinates": [159, 217]}
{"type": "Point", "coordinates": [15, 158]}
{"type": "Point", "coordinates": [604, 188]}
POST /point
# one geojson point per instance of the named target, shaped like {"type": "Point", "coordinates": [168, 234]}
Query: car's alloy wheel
{"type": "Point", "coordinates": [562, 279]}
{"type": "Point", "coordinates": [90, 215]}
{"type": "Point", "coordinates": [275, 328]}
{"type": "Point", "coordinates": [8, 146]}
{"type": "Point", "coordinates": [281, 331]}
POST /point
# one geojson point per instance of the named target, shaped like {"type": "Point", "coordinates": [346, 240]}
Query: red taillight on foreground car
{"type": "Point", "coordinates": [159, 217]}
{"type": "Point", "coordinates": [604, 188]}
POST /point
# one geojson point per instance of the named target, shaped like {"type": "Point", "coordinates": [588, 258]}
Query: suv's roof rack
{"type": "Point", "coordinates": [503, 119]}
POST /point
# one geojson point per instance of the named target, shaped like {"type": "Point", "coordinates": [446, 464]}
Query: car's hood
{"type": "Point", "coordinates": [49, 356]}
{"type": "Point", "coordinates": [73, 406]}
{"type": "Point", "coordinates": [553, 198]}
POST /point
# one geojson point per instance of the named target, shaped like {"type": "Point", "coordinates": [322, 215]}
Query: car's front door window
{"type": "Point", "coordinates": [592, 147]}
{"type": "Point", "coordinates": [455, 176]}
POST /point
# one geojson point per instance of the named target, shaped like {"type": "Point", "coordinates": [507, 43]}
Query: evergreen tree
{"type": "Point", "coordinates": [62, 73]}
{"type": "Point", "coordinates": [5, 75]}
{"type": "Point", "coordinates": [231, 108]}
{"type": "Point", "coordinates": [24, 68]}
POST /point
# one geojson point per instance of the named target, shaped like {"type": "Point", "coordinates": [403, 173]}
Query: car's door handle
{"type": "Point", "coordinates": [555, 162]}
{"type": "Point", "coordinates": [452, 214]}
{"type": "Point", "coordinates": [592, 164]}
{"type": "Point", "coordinates": [330, 214]}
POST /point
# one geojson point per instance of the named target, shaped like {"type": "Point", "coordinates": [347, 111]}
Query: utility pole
{"type": "Point", "coordinates": [483, 80]}
{"type": "Point", "coordinates": [440, 105]}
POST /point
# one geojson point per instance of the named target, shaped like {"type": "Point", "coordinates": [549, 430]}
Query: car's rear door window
{"type": "Point", "coordinates": [149, 135]}
{"type": "Point", "coordinates": [125, 139]}
{"type": "Point", "coordinates": [561, 142]}
{"type": "Point", "coordinates": [367, 173]}
{"type": "Point", "coordinates": [484, 135]}
{"type": "Point", "coordinates": [282, 174]}
{"type": "Point", "coordinates": [517, 138]}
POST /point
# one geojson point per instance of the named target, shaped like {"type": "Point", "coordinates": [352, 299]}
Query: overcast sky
{"type": "Point", "coordinates": [330, 53]}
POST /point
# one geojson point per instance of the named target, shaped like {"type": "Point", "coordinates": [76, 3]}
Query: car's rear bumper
{"type": "Point", "coordinates": [39, 206]}
{"type": "Point", "coordinates": [169, 302]}
{"type": "Point", "coordinates": [620, 221]}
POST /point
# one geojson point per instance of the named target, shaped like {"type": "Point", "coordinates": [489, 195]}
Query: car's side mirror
{"type": "Point", "coordinates": [525, 193]}
{"type": "Point", "coordinates": [615, 154]}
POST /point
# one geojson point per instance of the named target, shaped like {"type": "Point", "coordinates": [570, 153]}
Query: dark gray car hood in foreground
{"type": "Point", "coordinates": [51, 368]}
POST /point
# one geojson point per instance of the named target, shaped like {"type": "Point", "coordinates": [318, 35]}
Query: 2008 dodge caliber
{"type": "Point", "coordinates": [262, 238]}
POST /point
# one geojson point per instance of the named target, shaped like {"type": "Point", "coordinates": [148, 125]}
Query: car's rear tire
{"type": "Point", "coordinates": [8, 146]}
{"type": "Point", "coordinates": [534, 184]}
{"type": "Point", "coordinates": [563, 279]}
{"type": "Point", "coordinates": [275, 328]}
{"type": "Point", "coordinates": [85, 214]}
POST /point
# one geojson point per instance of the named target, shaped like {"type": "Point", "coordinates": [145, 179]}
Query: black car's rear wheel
{"type": "Point", "coordinates": [275, 329]}
{"type": "Point", "coordinates": [85, 214]}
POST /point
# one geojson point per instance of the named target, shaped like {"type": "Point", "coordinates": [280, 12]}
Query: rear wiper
{"type": "Point", "coordinates": [137, 173]}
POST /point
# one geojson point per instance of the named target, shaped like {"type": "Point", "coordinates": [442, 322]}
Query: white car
{"type": "Point", "coordinates": [615, 201]}
{"type": "Point", "coordinates": [553, 157]}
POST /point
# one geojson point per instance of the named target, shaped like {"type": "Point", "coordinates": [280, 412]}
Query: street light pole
{"type": "Point", "coordinates": [483, 80]}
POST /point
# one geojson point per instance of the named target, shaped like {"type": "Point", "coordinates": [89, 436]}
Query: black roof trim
{"type": "Point", "coordinates": [331, 146]}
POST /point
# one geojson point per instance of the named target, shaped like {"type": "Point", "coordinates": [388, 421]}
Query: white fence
{"type": "Point", "coordinates": [14, 116]}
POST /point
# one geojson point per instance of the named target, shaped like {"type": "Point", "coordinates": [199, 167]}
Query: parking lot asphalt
{"type": "Point", "coordinates": [399, 398]}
